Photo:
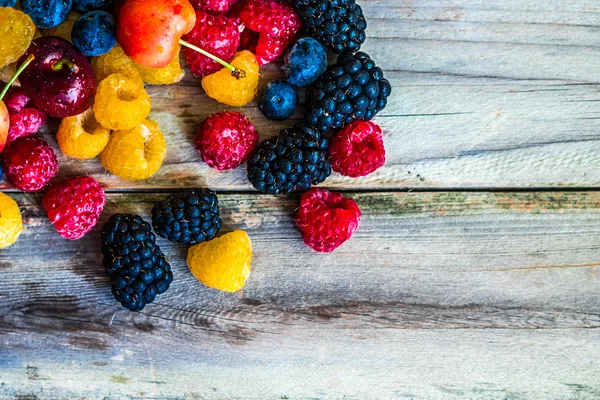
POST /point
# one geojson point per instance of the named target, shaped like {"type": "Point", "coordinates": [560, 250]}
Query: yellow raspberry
{"type": "Point", "coordinates": [63, 30]}
{"type": "Point", "coordinates": [11, 223]}
{"type": "Point", "coordinates": [222, 263]}
{"type": "Point", "coordinates": [81, 136]}
{"type": "Point", "coordinates": [227, 89]}
{"type": "Point", "coordinates": [168, 75]}
{"type": "Point", "coordinates": [114, 62]}
{"type": "Point", "coordinates": [16, 33]}
{"type": "Point", "coordinates": [121, 102]}
{"type": "Point", "coordinates": [136, 153]}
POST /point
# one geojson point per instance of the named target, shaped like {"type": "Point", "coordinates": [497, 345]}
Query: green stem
{"type": "Point", "coordinates": [57, 66]}
{"type": "Point", "coordinates": [16, 75]}
{"type": "Point", "coordinates": [235, 72]}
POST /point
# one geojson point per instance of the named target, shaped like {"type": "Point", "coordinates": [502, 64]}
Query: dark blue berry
{"type": "Point", "coordinates": [134, 283]}
{"type": "Point", "coordinates": [8, 3]}
{"type": "Point", "coordinates": [338, 25]}
{"type": "Point", "coordinates": [195, 208]}
{"type": "Point", "coordinates": [47, 13]}
{"type": "Point", "coordinates": [304, 62]}
{"type": "Point", "coordinates": [94, 33]}
{"type": "Point", "coordinates": [84, 6]}
{"type": "Point", "coordinates": [354, 88]}
{"type": "Point", "coordinates": [294, 160]}
{"type": "Point", "coordinates": [278, 100]}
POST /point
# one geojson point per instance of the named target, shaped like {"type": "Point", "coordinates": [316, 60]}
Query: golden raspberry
{"type": "Point", "coordinates": [121, 102]}
{"type": "Point", "coordinates": [227, 89]}
{"type": "Point", "coordinates": [114, 62]}
{"type": "Point", "coordinates": [11, 223]}
{"type": "Point", "coordinates": [81, 136]}
{"type": "Point", "coordinates": [16, 33]}
{"type": "Point", "coordinates": [136, 153]}
{"type": "Point", "coordinates": [63, 30]}
{"type": "Point", "coordinates": [222, 263]}
{"type": "Point", "coordinates": [168, 75]}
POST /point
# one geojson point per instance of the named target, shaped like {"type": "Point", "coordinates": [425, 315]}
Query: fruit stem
{"type": "Point", "coordinates": [16, 75]}
{"type": "Point", "coordinates": [57, 66]}
{"type": "Point", "coordinates": [235, 72]}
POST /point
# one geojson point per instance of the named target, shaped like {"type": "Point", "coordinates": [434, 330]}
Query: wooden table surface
{"type": "Point", "coordinates": [474, 273]}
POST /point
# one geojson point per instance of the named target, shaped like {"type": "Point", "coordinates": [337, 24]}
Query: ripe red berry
{"type": "Point", "coordinates": [24, 121]}
{"type": "Point", "coordinates": [74, 206]}
{"type": "Point", "coordinates": [357, 150]}
{"type": "Point", "coordinates": [218, 35]}
{"type": "Point", "coordinates": [215, 7]}
{"type": "Point", "coordinates": [276, 24]}
{"type": "Point", "coordinates": [326, 219]}
{"type": "Point", "coordinates": [225, 140]}
{"type": "Point", "coordinates": [29, 163]}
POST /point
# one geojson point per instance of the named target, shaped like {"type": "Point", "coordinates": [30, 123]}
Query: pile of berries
{"type": "Point", "coordinates": [90, 68]}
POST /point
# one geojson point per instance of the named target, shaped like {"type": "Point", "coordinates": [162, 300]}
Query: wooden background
{"type": "Point", "coordinates": [474, 273]}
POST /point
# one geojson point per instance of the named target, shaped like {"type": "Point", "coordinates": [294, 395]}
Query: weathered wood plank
{"type": "Point", "coordinates": [486, 95]}
{"type": "Point", "coordinates": [438, 295]}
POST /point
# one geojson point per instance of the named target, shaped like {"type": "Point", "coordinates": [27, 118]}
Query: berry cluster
{"type": "Point", "coordinates": [104, 107]}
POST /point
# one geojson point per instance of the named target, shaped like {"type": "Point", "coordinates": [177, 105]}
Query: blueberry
{"type": "Point", "coordinates": [94, 33]}
{"type": "Point", "coordinates": [304, 62]}
{"type": "Point", "coordinates": [8, 3]}
{"type": "Point", "coordinates": [84, 6]}
{"type": "Point", "coordinates": [47, 13]}
{"type": "Point", "coordinates": [278, 100]}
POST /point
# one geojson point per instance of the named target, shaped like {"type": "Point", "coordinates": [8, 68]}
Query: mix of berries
{"type": "Point", "coordinates": [225, 140]}
{"type": "Point", "coordinates": [104, 107]}
{"type": "Point", "coordinates": [188, 218]}
{"type": "Point", "coordinates": [326, 219]}
{"type": "Point", "coordinates": [74, 206]}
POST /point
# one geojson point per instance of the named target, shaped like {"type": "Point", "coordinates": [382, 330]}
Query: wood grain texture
{"type": "Point", "coordinates": [437, 295]}
{"type": "Point", "coordinates": [486, 95]}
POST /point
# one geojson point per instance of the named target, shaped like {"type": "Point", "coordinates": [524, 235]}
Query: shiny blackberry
{"type": "Point", "coordinates": [352, 89]}
{"type": "Point", "coordinates": [190, 217]}
{"type": "Point", "coordinates": [133, 261]}
{"type": "Point", "coordinates": [338, 24]}
{"type": "Point", "coordinates": [293, 160]}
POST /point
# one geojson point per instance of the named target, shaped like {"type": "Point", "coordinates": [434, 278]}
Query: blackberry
{"type": "Point", "coordinates": [190, 217]}
{"type": "Point", "coordinates": [351, 89]}
{"type": "Point", "coordinates": [294, 160]}
{"type": "Point", "coordinates": [338, 24]}
{"type": "Point", "coordinates": [133, 261]}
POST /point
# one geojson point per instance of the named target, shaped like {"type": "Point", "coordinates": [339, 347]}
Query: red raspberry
{"type": "Point", "coordinates": [29, 163]}
{"type": "Point", "coordinates": [276, 23]}
{"type": "Point", "coordinates": [326, 219]}
{"type": "Point", "coordinates": [215, 7]}
{"type": "Point", "coordinates": [74, 206]}
{"type": "Point", "coordinates": [23, 121]}
{"type": "Point", "coordinates": [357, 150]}
{"type": "Point", "coordinates": [225, 140]}
{"type": "Point", "coordinates": [218, 35]}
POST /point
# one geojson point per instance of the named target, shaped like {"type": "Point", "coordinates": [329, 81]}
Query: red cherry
{"type": "Point", "coordinates": [60, 81]}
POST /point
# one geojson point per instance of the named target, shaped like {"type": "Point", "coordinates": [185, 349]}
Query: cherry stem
{"type": "Point", "coordinates": [57, 66]}
{"type": "Point", "coordinates": [16, 75]}
{"type": "Point", "coordinates": [235, 72]}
